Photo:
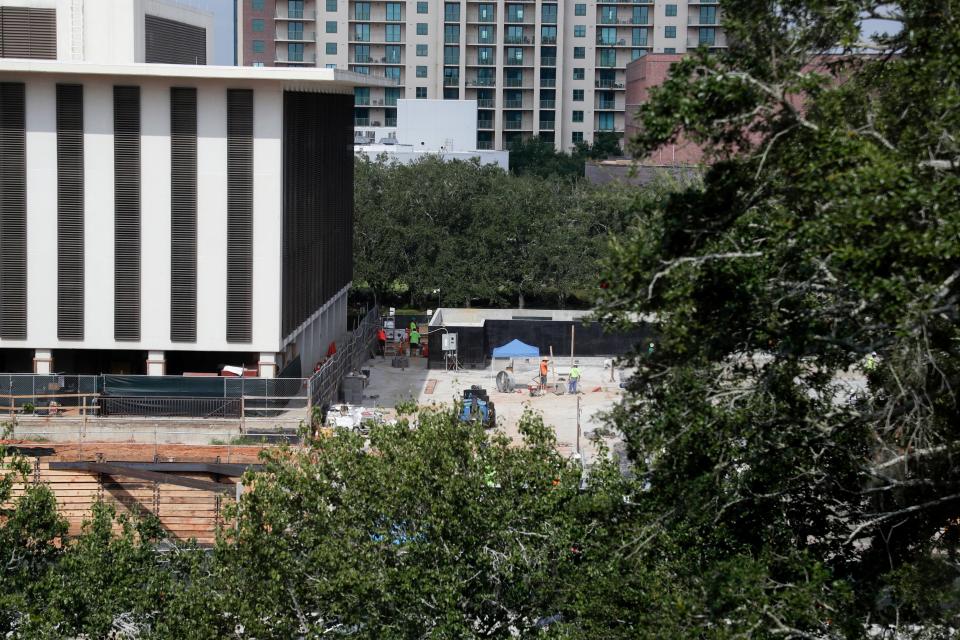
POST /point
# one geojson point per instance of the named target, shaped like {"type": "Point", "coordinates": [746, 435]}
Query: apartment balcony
{"type": "Point", "coordinates": [604, 42]}
{"type": "Point", "coordinates": [548, 40]}
{"type": "Point", "coordinates": [693, 20]}
{"type": "Point", "coordinates": [607, 105]}
{"type": "Point", "coordinates": [361, 101]}
{"type": "Point", "coordinates": [696, 2]}
{"type": "Point", "coordinates": [519, 40]}
{"type": "Point", "coordinates": [548, 82]}
{"type": "Point", "coordinates": [484, 145]}
{"type": "Point", "coordinates": [550, 61]}
{"type": "Point", "coordinates": [513, 62]}
{"type": "Point", "coordinates": [482, 82]}
{"type": "Point", "coordinates": [305, 15]}
{"type": "Point", "coordinates": [451, 82]}
{"type": "Point", "coordinates": [694, 42]}
{"type": "Point", "coordinates": [513, 82]}
{"type": "Point", "coordinates": [648, 2]}
{"type": "Point", "coordinates": [484, 62]}
{"type": "Point", "coordinates": [514, 125]}
{"type": "Point", "coordinates": [302, 36]}
{"type": "Point", "coordinates": [361, 122]}
{"type": "Point", "coordinates": [518, 20]}
{"type": "Point", "coordinates": [548, 104]}
{"type": "Point", "coordinates": [486, 103]}
{"type": "Point", "coordinates": [603, 128]}
{"type": "Point", "coordinates": [513, 104]}
{"type": "Point", "coordinates": [281, 57]}
{"type": "Point", "coordinates": [608, 84]}
{"type": "Point", "coordinates": [484, 124]}
{"type": "Point", "coordinates": [548, 125]}
{"type": "Point", "coordinates": [389, 122]}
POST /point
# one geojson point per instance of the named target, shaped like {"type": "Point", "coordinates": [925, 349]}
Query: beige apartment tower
{"type": "Point", "coordinates": [553, 69]}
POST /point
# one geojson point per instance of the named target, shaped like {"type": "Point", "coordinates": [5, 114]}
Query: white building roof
{"type": "Point", "coordinates": [292, 78]}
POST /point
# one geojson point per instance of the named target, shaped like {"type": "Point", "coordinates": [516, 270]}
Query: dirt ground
{"type": "Point", "coordinates": [129, 452]}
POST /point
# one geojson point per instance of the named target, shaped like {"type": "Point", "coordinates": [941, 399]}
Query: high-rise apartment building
{"type": "Point", "coordinates": [554, 69]}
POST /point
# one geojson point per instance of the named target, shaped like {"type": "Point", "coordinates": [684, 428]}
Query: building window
{"type": "Point", "coordinates": [258, 63]}
{"type": "Point", "coordinates": [423, 7]}
{"type": "Point", "coordinates": [578, 137]}
{"type": "Point", "coordinates": [421, 71]}
{"type": "Point", "coordinates": [637, 53]}
{"type": "Point", "coordinates": [394, 12]}
{"type": "Point", "coordinates": [451, 12]}
{"type": "Point", "coordinates": [580, 31]}
{"type": "Point", "coordinates": [258, 46]}
{"type": "Point", "coordinates": [295, 51]}
{"type": "Point", "coordinates": [638, 37]}
{"type": "Point", "coordinates": [361, 11]}
{"type": "Point", "coordinates": [578, 73]}
{"type": "Point", "coordinates": [641, 15]}
{"type": "Point", "coordinates": [608, 57]}
{"type": "Point", "coordinates": [331, 26]}
{"type": "Point", "coordinates": [548, 35]}
{"type": "Point", "coordinates": [485, 55]}
{"type": "Point", "coordinates": [669, 50]}
{"type": "Point", "coordinates": [257, 24]}
{"type": "Point", "coordinates": [330, 65]}
{"type": "Point", "coordinates": [708, 15]}
{"type": "Point", "coordinates": [361, 32]}
{"type": "Point", "coordinates": [548, 14]}
{"type": "Point", "coordinates": [295, 9]}
{"type": "Point", "coordinates": [708, 36]}
{"type": "Point", "coordinates": [578, 95]}
{"type": "Point", "coordinates": [361, 96]}
{"type": "Point", "coordinates": [392, 73]}
{"type": "Point", "coordinates": [578, 116]}
{"type": "Point", "coordinates": [256, 5]}
{"type": "Point", "coordinates": [295, 31]}
{"type": "Point", "coordinates": [421, 92]}
{"type": "Point", "coordinates": [361, 53]}
{"type": "Point", "coordinates": [514, 13]}
{"type": "Point", "coordinates": [451, 55]}
{"type": "Point", "coordinates": [670, 32]}
{"type": "Point", "coordinates": [579, 53]}
{"type": "Point", "coordinates": [332, 6]}
{"type": "Point", "coordinates": [421, 28]}
{"type": "Point", "coordinates": [421, 50]}
{"type": "Point", "coordinates": [392, 52]}
{"type": "Point", "coordinates": [579, 9]}
{"type": "Point", "coordinates": [331, 48]}
{"type": "Point", "coordinates": [451, 34]}
{"type": "Point", "coordinates": [365, 70]}
{"type": "Point", "coordinates": [671, 10]}
{"type": "Point", "coordinates": [608, 36]}
{"type": "Point", "coordinates": [392, 33]}
{"type": "Point", "coordinates": [608, 15]}
{"type": "Point", "coordinates": [485, 13]}
{"type": "Point", "coordinates": [485, 34]}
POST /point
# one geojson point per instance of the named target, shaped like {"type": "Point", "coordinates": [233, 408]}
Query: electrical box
{"type": "Point", "coordinates": [448, 342]}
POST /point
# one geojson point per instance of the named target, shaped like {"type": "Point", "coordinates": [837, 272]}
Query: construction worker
{"type": "Point", "coordinates": [382, 341]}
{"type": "Point", "coordinates": [414, 341]}
{"type": "Point", "coordinates": [544, 370]}
{"type": "Point", "coordinates": [574, 377]}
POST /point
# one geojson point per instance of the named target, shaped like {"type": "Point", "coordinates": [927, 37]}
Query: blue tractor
{"type": "Point", "coordinates": [477, 406]}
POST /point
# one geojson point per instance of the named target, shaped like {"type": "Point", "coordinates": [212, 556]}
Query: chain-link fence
{"type": "Point", "coordinates": [325, 383]}
{"type": "Point", "coordinates": [42, 394]}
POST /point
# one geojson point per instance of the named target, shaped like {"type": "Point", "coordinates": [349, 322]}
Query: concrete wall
{"type": "Point", "coordinates": [433, 125]}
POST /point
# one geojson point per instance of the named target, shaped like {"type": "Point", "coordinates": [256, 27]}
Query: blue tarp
{"type": "Point", "coordinates": [516, 349]}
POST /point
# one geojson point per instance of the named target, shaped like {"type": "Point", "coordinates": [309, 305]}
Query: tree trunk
{"type": "Point", "coordinates": [520, 300]}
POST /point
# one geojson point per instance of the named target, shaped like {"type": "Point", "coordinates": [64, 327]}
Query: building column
{"type": "Point", "coordinates": [43, 362]}
{"type": "Point", "coordinates": [156, 363]}
{"type": "Point", "coordinates": [268, 365]}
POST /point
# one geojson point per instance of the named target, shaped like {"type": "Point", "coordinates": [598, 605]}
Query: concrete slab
{"type": "Point", "coordinates": [598, 395]}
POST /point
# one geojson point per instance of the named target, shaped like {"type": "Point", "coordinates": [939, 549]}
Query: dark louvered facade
{"type": "Point", "coordinates": [239, 215]}
{"type": "Point", "coordinates": [183, 214]}
{"type": "Point", "coordinates": [27, 32]}
{"type": "Point", "coordinates": [172, 42]}
{"type": "Point", "coordinates": [317, 202]}
{"type": "Point", "coordinates": [126, 256]}
{"type": "Point", "coordinates": [70, 219]}
{"type": "Point", "coordinates": [13, 212]}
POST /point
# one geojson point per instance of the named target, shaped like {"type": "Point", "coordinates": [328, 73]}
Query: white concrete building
{"type": "Point", "coordinates": [551, 68]}
{"type": "Point", "coordinates": [444, 128]}
{"type": "Point", "coordinates": [105, 31]}
{"type": "Point", "coordinates": [164, 218]}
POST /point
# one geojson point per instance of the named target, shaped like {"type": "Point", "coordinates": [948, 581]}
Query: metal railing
{"type": "Point", "coordinates": [324, 386]}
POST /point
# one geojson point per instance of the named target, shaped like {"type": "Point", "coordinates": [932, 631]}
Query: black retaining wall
{"type": "Point", "coordinates": [476, 343]}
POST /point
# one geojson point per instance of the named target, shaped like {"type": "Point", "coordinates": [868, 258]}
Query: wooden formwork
{"type": "Point", "coordinates": [183, 512]}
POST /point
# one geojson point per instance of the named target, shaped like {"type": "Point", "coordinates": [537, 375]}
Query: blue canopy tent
{"type": "Point", "coordinates": [516, 349]}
